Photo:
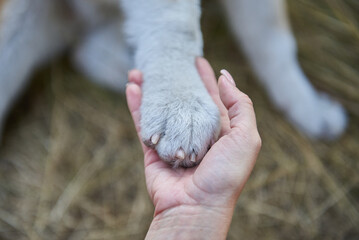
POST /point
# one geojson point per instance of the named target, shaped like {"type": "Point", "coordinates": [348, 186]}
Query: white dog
{"type": "Point", "coordinates": [162, 39]}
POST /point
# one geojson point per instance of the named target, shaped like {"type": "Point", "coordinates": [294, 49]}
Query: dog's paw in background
{"type": "Point", "coordinates": [268, 41]}
{"type": "Point", "coordinates": [180, 125]}
{"type": "Point", "coordinates": [324, 118]}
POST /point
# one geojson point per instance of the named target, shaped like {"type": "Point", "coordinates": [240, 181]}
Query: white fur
{"type": "Point", "coordinates": [104, 56]}
{"type": "Point", "coordinates": [263, 30]}
{"type": "Point", "coordinates": [164, 38]}
{"type": "Point", "coordinates": [30, 33]}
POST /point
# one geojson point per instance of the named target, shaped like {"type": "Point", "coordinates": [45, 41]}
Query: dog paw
{"type": "Point", "coordinates": [322, 119]}
{"type": "Point", "coordinates": [181, 126]}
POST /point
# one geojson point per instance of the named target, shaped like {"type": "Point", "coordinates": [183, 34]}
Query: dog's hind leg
{"type": "Point", "coordinates": [30, 32]}
{"type": "Point", "coordinates": [264, 32]}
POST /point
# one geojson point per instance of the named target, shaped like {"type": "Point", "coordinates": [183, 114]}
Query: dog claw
{"type": "Point", "coordinates": [193, 157]}
{"type": "Point", "coordinates": [155, 138]}
{"type": "Point", "coordinates": [180, 154]}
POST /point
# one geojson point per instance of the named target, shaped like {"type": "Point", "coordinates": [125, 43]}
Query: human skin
{"type": "Point", "coordinates": [198, 203]}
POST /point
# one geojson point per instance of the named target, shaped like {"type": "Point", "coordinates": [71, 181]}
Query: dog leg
{"type": "Point", "coordinates": [31, 31]}
{"type": "Point", "coordinates": [178, 117]}
{"type": "Point", "coordinates": [264, 32]}
{"type": "Point", "coordinates": [104, 57]}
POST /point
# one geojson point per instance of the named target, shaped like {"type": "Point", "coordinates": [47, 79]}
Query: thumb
{"type": "Point", "coordinates": [239, 105]}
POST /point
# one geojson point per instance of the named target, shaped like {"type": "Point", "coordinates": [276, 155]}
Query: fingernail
{"type": "Point", "coordinates": [228, 76]}
{"type": "Point", "coordinates": [130, 83]}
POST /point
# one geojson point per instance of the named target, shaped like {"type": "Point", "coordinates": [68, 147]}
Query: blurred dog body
{"type": "Point", "coordinates": [162, 39]}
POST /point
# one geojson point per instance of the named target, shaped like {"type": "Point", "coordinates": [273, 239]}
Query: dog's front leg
{"type": "Point", "coordinates": [264, 32]}
{"type": "Point", "coordinates": [179, 118]}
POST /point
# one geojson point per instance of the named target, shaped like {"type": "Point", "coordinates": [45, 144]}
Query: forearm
{"type": "Point", "coordinates": [191, 222]}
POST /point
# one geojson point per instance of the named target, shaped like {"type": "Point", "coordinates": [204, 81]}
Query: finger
{"type": "Point", "coordinates": [207, 75]}
{"type": "Point", "coordinates": [135, 76]}
{"type": "Point", "coordinates": [209, 79]}
{"type": "Point", "coordinates": [239, 105]}
{"type": "Point", "coordinates": [134, 95]}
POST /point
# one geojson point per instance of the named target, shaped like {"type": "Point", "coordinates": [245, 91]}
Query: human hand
{"type": "Point", "coordinates": [216, 183]}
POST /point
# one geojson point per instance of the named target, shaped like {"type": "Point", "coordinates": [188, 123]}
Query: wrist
{"type": "Point", "coordinates": [191, 222]}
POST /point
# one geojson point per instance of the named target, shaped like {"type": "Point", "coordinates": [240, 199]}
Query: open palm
{"type": "Point", "coordinates": [221, 176]}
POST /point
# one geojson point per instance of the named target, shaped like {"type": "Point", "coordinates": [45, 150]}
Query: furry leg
{"type": "Point", "coordinates": [31, 31]}
{"type": "Point", "coordinates": [104, 57]}
{"type": "Point", "coordinates": [178, 117]}
{"type": "Point", "coordinates": [264, 32]}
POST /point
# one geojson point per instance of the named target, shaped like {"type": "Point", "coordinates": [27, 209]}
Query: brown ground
{"type": "Point", "coordinates": [71, 166]}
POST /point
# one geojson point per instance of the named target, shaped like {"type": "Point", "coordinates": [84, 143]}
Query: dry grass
{"type": "Point", "coordinates": [71, 166]}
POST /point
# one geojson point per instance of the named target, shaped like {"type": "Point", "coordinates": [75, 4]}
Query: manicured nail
{"type": "Point", "coordinates": [228, 76]}
{"type": "Point", "coordinates": [130, 83]}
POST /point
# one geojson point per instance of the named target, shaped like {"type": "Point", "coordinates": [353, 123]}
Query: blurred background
{"type": "Point", "coordinates": [71, 166]}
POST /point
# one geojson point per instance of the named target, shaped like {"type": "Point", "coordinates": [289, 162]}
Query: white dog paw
{"type": "Point", "coordinates": [180, 126]}
{"type": "Point", "coordinates": [322, 119]}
